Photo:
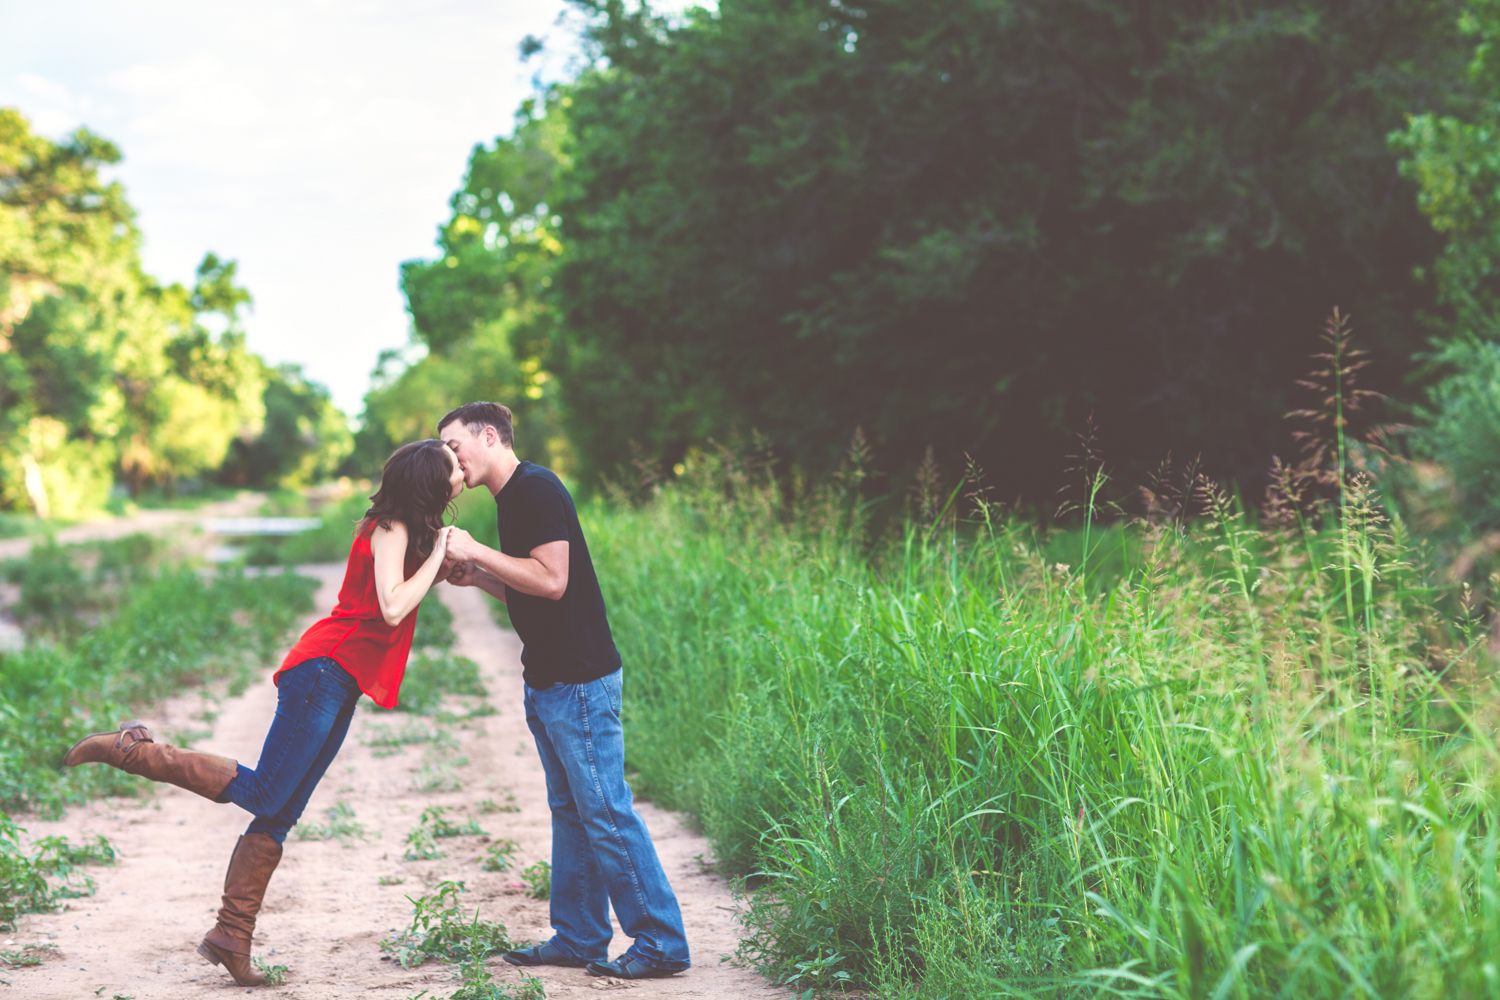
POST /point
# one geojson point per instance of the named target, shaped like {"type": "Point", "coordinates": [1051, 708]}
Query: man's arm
{"type": "Point", "coordinates": [544, 573]}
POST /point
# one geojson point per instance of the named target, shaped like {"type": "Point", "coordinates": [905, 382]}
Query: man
{"type": "Point", "coordinates": [601, 850]}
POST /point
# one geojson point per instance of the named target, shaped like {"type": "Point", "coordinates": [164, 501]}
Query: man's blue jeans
{"type": "Point", "coordinates": [314, 703]}
{"type": "Point", "coordinates": [601, 850]}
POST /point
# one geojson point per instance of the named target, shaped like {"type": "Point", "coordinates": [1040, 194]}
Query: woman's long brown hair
{"type": "Point", "coordinates": [413, 490]}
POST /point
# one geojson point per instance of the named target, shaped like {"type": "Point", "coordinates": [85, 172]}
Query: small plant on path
{"type": "Point", "coordinates": [275, 974]}
{"type": "Point", "coordinates": [433, 817]}
{"type": "Point", "coordinates": [341, 826]}
{"type": "Point", "coordinates": [441, 929]}
{"type": "Point", "coordinates": [498, 857]}
{"type": "Point", "coordinates": [420, 846]}
{"type": "Point", "coordinates": [476, 982]}
{"type": "Point", "coordinates": [487, 806]}
{"type": "Point", "coordinates": [421, 842]}
{"type": "Point", "coordinates": [538, 880]}
{"type": "Point", "coordinates": [35, 882]}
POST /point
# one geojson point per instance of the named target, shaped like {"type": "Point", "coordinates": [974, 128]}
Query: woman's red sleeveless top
{"type": "Point", "coordinates": [356, 635]}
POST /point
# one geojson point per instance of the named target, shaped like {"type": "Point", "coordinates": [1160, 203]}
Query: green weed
{"type": "Point", "coordinates": [28, 955]}
{"type": "Point", "coordinates": [275, 974]}
{"type": "Point", "coordinates": [341, 826]}
{"type": "Point", "coordinates": [432, 676]}
{"type": "Point", "coordinates": [498, 857]}
{"type": "Point", "coordinates": [538, 879]}
{"type": "Point", "coordinates": [437, 774]}
{"type": "Point", "coordinates": [488, 806]}
{"type": "Point", "coordinates": [435, 819]}
{"type": "Point", "coordinates": [441, 929]}
{"type": "Point", "coordinates": [36, 882]}
{"type": "Point", "coordinates": [421, 846]}
{"type": "Point", "coordinates": [392, 738]}
{"type": "Point", "coordinates": [477, 983]}
{"type": "Point", "coordinates": [432, 826]}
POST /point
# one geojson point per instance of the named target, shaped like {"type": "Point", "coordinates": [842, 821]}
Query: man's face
{"type": "Point", "coordinates": [469, 449]}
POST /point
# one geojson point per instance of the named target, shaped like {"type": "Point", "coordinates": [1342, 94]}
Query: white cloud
{"type": "Point", "coordinates": [44, 88]}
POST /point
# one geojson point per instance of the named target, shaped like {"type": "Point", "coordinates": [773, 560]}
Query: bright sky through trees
{"type": "Point", "coordinates": [317, 143]}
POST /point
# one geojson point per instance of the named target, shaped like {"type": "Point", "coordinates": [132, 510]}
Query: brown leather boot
{"type": "Point", "coordinates": [132, 750]}
{"type": "Point", "coordinates": [250, 866]}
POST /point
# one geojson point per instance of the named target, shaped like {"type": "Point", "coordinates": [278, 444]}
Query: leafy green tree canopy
{"type": "Point", "coordinates": [973, 223]}
{"type": "Point", "coordinates": [105, 373]}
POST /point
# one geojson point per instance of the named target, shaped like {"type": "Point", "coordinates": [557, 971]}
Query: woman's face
{"type": "Point", "coordinates": [455, 475]}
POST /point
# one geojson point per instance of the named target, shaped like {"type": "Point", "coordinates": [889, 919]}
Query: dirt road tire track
{"type": "Point", "coordinates": [325, 913]}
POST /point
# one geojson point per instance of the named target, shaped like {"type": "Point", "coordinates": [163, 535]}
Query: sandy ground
{"type": "Point", "coordinates": [326, 912]}
{"type": "Point", "coordinates": [152, 521]}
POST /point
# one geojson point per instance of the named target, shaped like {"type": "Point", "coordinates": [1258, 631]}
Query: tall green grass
{"type": "Point", "coordinates": [955, 762]}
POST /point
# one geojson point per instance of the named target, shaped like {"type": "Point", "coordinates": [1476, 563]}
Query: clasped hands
{"type": "Point", "coordinates": [458, 560]}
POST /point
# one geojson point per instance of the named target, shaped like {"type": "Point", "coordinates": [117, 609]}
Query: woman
{"type": "Point", "coordinates": [361, 647]}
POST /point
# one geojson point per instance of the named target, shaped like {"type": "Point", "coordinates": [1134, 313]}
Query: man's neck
{"type": "Point", "coordinates": [505, 467]}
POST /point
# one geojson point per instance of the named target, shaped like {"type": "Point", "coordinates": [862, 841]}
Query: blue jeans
{"type": "Point", "coordinates": [601, 851]}
{"type": "Point", "coordinates": [314, 703]}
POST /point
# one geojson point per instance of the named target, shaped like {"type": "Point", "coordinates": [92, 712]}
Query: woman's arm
{"type": "Point", "coordinates": [399, 596]}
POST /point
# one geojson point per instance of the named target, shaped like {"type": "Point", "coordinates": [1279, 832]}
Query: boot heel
{"type": "Point", "coordinates": [208, 953]}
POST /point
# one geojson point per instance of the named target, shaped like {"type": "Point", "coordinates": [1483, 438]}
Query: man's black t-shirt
{"type": "Point", "coordinates": [566, 641]}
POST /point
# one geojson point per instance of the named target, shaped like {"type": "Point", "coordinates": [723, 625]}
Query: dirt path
{"type": "Point", "coordinates": [326, 911]}
{"type": "Point", "coordinates": [153, 521]}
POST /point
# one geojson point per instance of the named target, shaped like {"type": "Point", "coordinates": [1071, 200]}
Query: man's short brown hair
{"type": "Point", "coordinates": [477, 416]}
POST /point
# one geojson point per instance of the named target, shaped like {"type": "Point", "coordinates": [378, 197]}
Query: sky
{"type": "Point", "coordinates": [316, 142]}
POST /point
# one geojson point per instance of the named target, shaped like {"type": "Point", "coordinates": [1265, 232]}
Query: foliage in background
{"type": "Point", "coordinates": [106, 374]}
{"type": "Point", "coordinates": [1455, 161]}
{"type": "Point", "coordinates": [102, 370]}
{"type": "Point", "coordinates": [1261, 764]}
{"type": "Point", "coordinates": [480, 319]}
{"type": "Point", "coordinates": [972, 223]}
{"type": "Point", "coordinates": [146, 632]}
{"type": "Point", "coordinates": [303, 441]}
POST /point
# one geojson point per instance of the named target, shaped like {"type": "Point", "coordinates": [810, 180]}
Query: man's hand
{"type": "Point", "coordinates": [462, 547]}
{"type": "Point", "coordinates": [462, 574]}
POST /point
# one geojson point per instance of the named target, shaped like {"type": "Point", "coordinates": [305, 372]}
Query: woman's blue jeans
{"type": "Point", "coordinates": [601, 850]}
{"type": "Point", "coordinates": [314, 703]}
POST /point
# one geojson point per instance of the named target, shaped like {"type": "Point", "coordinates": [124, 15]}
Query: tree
{"type": "Point", "coordinates": [482, 322]}
{"type": "Point", "coordinates": [304, 439]}
{"type": "Point", "coordinates": [1455, 161]}
{"type": "Point", "coordinates": [973, 223]}
{"type": "Point", "coordinates": [102, 370]}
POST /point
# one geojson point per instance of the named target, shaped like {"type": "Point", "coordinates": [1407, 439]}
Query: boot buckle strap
{"type": "Point", "coordinates": [137, 732]}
